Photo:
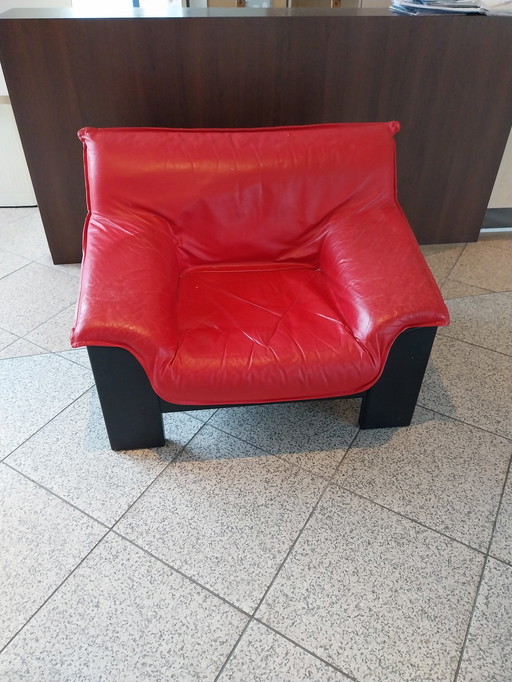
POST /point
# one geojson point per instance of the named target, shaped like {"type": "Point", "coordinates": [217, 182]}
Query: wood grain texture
{"type": "Point", "coordinates": [448, 80]}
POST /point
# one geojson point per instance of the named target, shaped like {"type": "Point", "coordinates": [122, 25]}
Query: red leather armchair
{"type": "Point", "coordinates": [227, 267]}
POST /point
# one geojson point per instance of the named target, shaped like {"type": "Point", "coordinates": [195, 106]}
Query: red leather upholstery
{"type": "Point", "coordinates": [251, 265]}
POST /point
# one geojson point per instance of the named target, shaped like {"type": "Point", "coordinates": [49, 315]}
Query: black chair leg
{"type": "Point", "coordinates": [391, 401]}
{"type": "Point", "coordinates": [131, 408]}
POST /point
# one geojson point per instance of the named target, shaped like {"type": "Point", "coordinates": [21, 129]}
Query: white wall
{"type": "Point", "coordinates": [15, 185]}
{"type": "Point", "coordinates": [501, 196]}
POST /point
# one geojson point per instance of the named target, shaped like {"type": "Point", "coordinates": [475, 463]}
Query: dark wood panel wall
{"type": "Point", "coordinates": [447, 79]}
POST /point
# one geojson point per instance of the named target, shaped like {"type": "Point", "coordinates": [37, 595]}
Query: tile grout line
{"type": "Point", "coordinates": [280, 567]}
{"type": "Point", "coordinates": [462, 421]}
{"type": "Point", "coordinates": [180, 572]}
{"type": "Point", "coordinates": [470, 620]}
{"type": "Point", "coordinates": [54, 591]}
{"type": "Point", "coordinates": [28, 355]}
{"type": "Point", "coordinates": [409, 518]}
{"type": "Point", "coordinates": [164, 469]}
{"type": "Point", "coordinates": [456, 261]}
{"type": "Point", "coordinates": [508, 476]}
{"type": "Point", "coordinates": [108, 529]}
{"type": "Point", "coordinates": [15, 269]}
{"type": "Point", "coordinates": [445, 334]}
{"type": "Point", "coordinates": [54, 494]}
{"type": "Point", "coordinates": [3, 459]}
{"type": "Point", "coordinates": [255, 619]}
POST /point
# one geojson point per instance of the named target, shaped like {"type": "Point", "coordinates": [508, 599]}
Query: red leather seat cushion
{"type": "Point", "coordinates": [262, 334]}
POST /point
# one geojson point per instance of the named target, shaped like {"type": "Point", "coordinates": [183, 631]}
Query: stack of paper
{"type": "Point", "coordinates": [496, 6]}
{"type": "Point", "coordinates": [440, 6]}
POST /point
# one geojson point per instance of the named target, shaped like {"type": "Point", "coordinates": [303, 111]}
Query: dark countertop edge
{"type": "Point", "coordinates": [179, 13]}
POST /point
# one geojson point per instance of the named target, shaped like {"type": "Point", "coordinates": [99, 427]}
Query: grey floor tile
{"type": "Point", "coordinates": [499, 240]}
{"type": "Point", "coordinates": [11, 215]}
{"type": "Point", "coordinates": [443, 473]}
{"type": "Point", "coordinates": [312, 434]}
{"type": "Point", "coordinates": [54, 334]}
{"type": "Point", "coordinates": [484, 266]}
{"type": "Point", "coordinates": [501, 546]}
{"type": "Point", "coordinates": [441, 258]}
{"type": "Point", "coordinates": [263, 655]}
{"type": "Point", "coordinates": [483, 320]}
{"type": "Point", "coordinates": [383, 599]}
{"type": "Point", "coordinates": [228, 523]}
{"type": "Point", "coordinates": [20, 348]}
{"type": "Point", "coordinates": [24, 236]}
{"type": "Point", "coordinates": [202, 415]}
{"type": "Point", "coordinates": [33, 390]}
{"type": "Point", "coordinates": [6, 338]}
{"type": "Point", "coordinates": [41, 542]}
{"type": "Point", "coordinates": [453, 289]}
{"type": "Point", "coordinates": [33, 294]}
{"type": "Point", "coordinates": [471, 383]}
{"type": "Point", "coordinates": [71, 456]}
{"type": "Point", "coordinates": [69, 268]}
{"type": "Point", "coordinates": [9, 262]}
{"type": "Point", "coordinates": [123, 615]}
{"type": "Point", "coordinates": [488, 653]}
{"type": "Point", "coordinates": [78, 355]}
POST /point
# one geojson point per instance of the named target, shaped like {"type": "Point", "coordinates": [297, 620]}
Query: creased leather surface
{"type": "Point", "coordinates": [250, 265]}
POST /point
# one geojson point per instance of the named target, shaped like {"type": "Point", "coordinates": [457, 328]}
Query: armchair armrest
{"type": "Point", "coordinates": [128, 288]}
{"type": "Point", "coordinates": [379, 276]}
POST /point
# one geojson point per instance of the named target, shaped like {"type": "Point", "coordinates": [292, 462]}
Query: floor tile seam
{"type": "Point", "coordinates": [504, 562]}
{"type": "Point", "coordinates": [486, 291]}
{"type": "Point", "coordinates": [14, 208]}
{"type": "Point", "coordinates": [25, 265]}
{"type": "Point", "coordinates": [325, 477]}
{"type": "Point", "coordinates": [10, 342]}
{"type": "Point", "coordinates": [281, 455]}
{"type": "Point", "coordinates": [470, 620]}
{"type": "Point", "coordinates": [332, 479]}
{"type": "Point", "coordinates": [54, 494]}
{"type": "Point", "coordinates": [462, 421]}
{"type": "Point", "coordinates": [50, 420]}
{"type": "Point", "coordinates": [504, 487]}
{"type": "Point", "coordinates": [53, 592]}
{"type": "Point", "coordinates": [15, 269]}
{"type": "Point", "coordinates": [411, 519]}
{"type": "Point", "coordinates": [180, 572]}
{"type": "Point", "coordinates": [160, 473]}
{"type": "Point", "coordinates": [471, 343]}
{"type": "Point", "coordinates": [291, 548]}
{"type": "Point", "coordinates": [46, 351]}
{"type": "Point", "coordinates": [484, 242]}
{"type": "Point", "coordinates": [69, 359]}
{"type": "Point", "coordinates": [456, 261]}
{"type": "Point", "coordinates": [49, 319]}
{"type": "Point", "coordinates": [327, 484]}
{"type": "Point", "coordinates": [55, 267]}
{"type": "Point", "coordinates": [2, 329]}
{"type": "Point", "coordinates": [242, 440]}
{"type": "Point", "coordinates": [28, 355]}
{"type": "Point", "coordinates": [234, 648]}
{"type": "Point", "coordinates": [255, 619]}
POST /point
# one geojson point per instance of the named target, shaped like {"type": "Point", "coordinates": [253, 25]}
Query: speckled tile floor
{"type": "Point", "coordinates": [259, 544]}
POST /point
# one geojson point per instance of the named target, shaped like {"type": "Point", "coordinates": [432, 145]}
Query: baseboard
{"type": "Point", "coordinates": [497, 218]}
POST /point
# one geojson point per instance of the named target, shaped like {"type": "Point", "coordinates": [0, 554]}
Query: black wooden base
{"type": "Point", "coordinates": [133, 411]}
{"type": "Point", "coordinates": [391, 401]}
{"type": "Point", "coordinates": [131, 408]}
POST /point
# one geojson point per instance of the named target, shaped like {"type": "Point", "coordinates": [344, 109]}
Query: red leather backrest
{"type": "Point", "coordinates": [237, 195]}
